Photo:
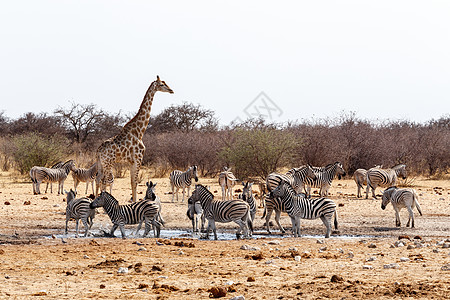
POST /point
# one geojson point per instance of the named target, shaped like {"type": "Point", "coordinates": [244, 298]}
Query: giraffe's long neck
{"type": "Point", "coordinates": [139, 123]}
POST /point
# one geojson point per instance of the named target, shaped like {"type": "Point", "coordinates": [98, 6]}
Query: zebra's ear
{"type": "Point", "coordinates": [250, 184]}
{"type": "Point", "coordinates": [243, 183]}
{"type": "Point", "coordinates": [147, 184]}
{"type": "Point", "coordinates": [155, 184]}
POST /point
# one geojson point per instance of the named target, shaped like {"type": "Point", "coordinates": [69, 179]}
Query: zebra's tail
{"type": "Point", "coordinates": [32, 175]}
{"type": "Point", "coordinates": [265, 211]}
{"type": "Point", "coordinates": [160, 219]}
{"type": "Point", "coordinates": [335, 220]}
{"type": "Point", "coordinates": [189, 214]}
{"type": "Point", "coordinates": [416, 198]}
{"type": "Point", "coordinates": [249, 221]}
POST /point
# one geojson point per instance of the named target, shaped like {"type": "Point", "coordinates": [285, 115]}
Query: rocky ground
{"type": "Point", "coordinates": [368, 256]}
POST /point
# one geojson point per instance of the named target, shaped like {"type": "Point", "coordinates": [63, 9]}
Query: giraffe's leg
{"type": "Point", "coordinates": [134, 171]}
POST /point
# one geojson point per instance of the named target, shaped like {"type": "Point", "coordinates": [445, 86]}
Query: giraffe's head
{"type": "Point", "coordinates": [162, 86]}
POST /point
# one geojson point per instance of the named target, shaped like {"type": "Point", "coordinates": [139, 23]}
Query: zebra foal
{"type": "Point", "coordinates": [226, 181]}
{"type": "Point", "coordinates": [194, 213]}
{"type": "Point", "coordinates": [247, 196]}
{"type": "Point", "coordinates": [134, 213]}
{"type": "Point", "coordinates": [85, 175]}
{"type": "Point", "coordinates": [324, 178]}
{"type": "Point", "coordinates": [150, 195]}
{"type": "Point", "coordinates": [383, 177]}
{"type": "Point", "coordinates": [180, 179]}
{"type": "Point", "coordinates": [79, 209]}
{"type": "Point", "coordinates": [298, 207]}
{"type": "Point", "coordinates": [42, 174]}
{"type": "Point", "coordinates": [223, 211]}
{"type": "Point", "coordinates": [401, 198]}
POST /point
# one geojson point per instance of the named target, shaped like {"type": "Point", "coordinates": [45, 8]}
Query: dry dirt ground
{"type": "Point", "coordinates": [351, 264]}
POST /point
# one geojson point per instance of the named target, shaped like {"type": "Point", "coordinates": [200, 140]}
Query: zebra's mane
{"type": "Point", "coordinates": [204, 188]}
{"type": "Point", "coordinates": [109, 196]}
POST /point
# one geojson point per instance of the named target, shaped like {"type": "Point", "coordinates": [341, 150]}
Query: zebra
{"type": "Point", "coordinates": [79, 209]}
{"type": "Point", "coordinates": [134, 213]}
{"type": "Point", "coordinates": [55, 166]}
{"type": "Point", "coordinates": [295, 177]}
{"type": "Point", "coordinates": [401, 198]}
{"type": "Point", "coordinates": [383, 177]}
{"type": "Point", "coordinates": [299, 207]}
{"type": "Point", "coordinates": [223, 211]}
{"type": "Point", "coordinates": [41, 174]}
{"type": "Point", "coordinates": [106, 181]}
{"type": "Point", "coordinates": [85, 175]}
{"type": "Point", "coordinates": [324, 177]}
{"type": "Point", "coordinates": [150, 195]}
{"type": "Point", "coordinates": [195, 212]}
{"type": "Point", "coordinates": [180, 179]}
{"type": "Point", "coordinates": [247, 195]}
{"type": "Point", "coordinates": [360, 177]}
{"type": "Point", "coordinates": [226, 181]}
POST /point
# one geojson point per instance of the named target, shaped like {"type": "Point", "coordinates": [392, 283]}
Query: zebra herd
{"type": "Point", "coordinates": [289, 193]}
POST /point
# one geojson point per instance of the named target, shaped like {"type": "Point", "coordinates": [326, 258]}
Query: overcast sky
{"type": "Point", "coordinates": [311, 59]}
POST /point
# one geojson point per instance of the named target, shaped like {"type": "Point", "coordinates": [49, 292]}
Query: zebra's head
{"type": "Point", "coordinates": [70, 165]}
{"type": "Point", "coordinates": [247, 190]}
{"type": "Point", "coordinates": [194, 173]}
{"type": "Point", "coordinates": [161, 86]}
{"type": "Point", "coordinates": [102, 199]}
{"type": "Point", "coordinates": [340, 170]}
{"type": "Point", "coordinates": [201, 193]}
{"type": "Point", "coordinates": [70, 195]}
{"type": "Point", "coordinates": [310, 172]}
{"type": "Point", "coordinates": [280, 190]}
{"type": "Point", "coordinates": [401, 171]}
{"type": "Point", "coordinates": [150, 193]}
{"type": "Point", "coordinates": [387, 193]}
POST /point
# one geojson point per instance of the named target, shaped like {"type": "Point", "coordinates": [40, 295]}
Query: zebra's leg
{"type": "Point", "coordinates": [86, 225]}
{"type": "Point", "coordinates": [113, 229]}
{"type": "Point", "coordinates": [76, 227]}
{"type": "Point", "coordinates": [184, 191]}
{"type": "Point", "coordinates": [203, 220]}
{"type": "Point", "coordinates": [411, 217]}
{"type": "Point", "coordinates": [242, 228]}
{"type": "Point", "coordinates": [93, 192]}
{"type": "Point", "coordinates": [277, 219]}
{"type": "Point", "coordinates": [87, 186]}
{"type": "Point", "coordinates": [214, 228]}
{"type": "Point", "coordinates": [367, 190]}
{"type": "Point", "coordinates": [122, 231]}
{"type": "Point", "coordinates": [67, 222]}
{"type": "Point", "coordinates": [268, 215]}
{"type": "Point", "coordinates": [397, 217]}
{"type": "Point", "coordinates": [139, 227]}
{"type": "Point", "coordinates": [308, 191]}
{"type": "Point", "coordinates": [327, 222]}
{"type": "Point", "coordinates": [294, 226]}
{"type": "Point", "coordinates": [208, 228]}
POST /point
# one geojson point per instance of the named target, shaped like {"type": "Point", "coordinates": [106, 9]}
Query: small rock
{"type": "Point", "coordinates": [410, 247]}
{"type": "Point", "coordinates": [122, 270]}
{"type": "Point", "coordinates": [217, 292]}
{"type": "Point", "coordinates": [322, 249]}
{"type": "Point", "coordinates": [229, 282]}
{"type": "Point", "coordinates": [56, 205]}
{"type": "Point", "coordinates": [399, 244]}
{"type": "Point", "coordinates": [445, 267]}
{"type": "Point", "coordinates": [162, 277]}
{"type": "Point", "coordinates": [298, 258]}
{"type": "Point", "coordinates": [159, 243]}
{"type": "Point", "coordinates": [251, 279]}
{"type": "Point", "coordinates": [269, 262]}
{"type": "Point", "coordinates": [417, 237]}
{"type": "Point", "coordinates": [238, 298]}
{"type": "Point", "coordinates": [142, 249]}
{"type": "Point", "coordinates": [180, 252]}
{"type": "Point", "coordinates": [372, 245]}
{"type": "Point", "coordinates": [350, 255]}
{"type": "Point", "coordinates": [372, 258]}
{"type": "Point", "coordinates": [319, 242]}
{"type": "Point", "coordinates": [391, 266]}
{"type": "Point", "coordinates": [7, 203]}
{"type": "Point", "coordinates": [292, 249]}
{"type": "Point", "coordinates": [400, 237]}
{"type": "Point", "coordinates": [86, 257]}
{"type": "Point", "coordinates": [27, 203]}
{"type": "Point", "coordinates": [435, 251]}
{"type": "Point", "coordinates": [245, 247]}
{"type": "Point", "coordinates": [336, 278]}
{"type": "Point", "coordinates": [340, 250]}
{"type": "Point", "coordinates": [404, 259]}
{"type": "Point", "coordinates": [275, 242]}
{"type": "Point", "coordinates": [446, 245]}
{"type": "Point", "coordinates": [367, 267]}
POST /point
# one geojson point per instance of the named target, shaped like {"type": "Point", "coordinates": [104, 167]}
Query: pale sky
{"type": "Point", "coordinates": [313, 59]}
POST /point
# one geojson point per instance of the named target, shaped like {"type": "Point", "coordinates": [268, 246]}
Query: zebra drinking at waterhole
{"type": "Point", "coordinates": [223, 211]}
{"type": "Point", "coordinates": [298, 207]}
{"type": "Point", "coordinates": [134, 213]}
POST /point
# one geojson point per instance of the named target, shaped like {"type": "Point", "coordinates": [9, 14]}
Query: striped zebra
{"type": "Point", "coordinates": [79, 209]}
{"type": "Point", "coordinates": [180, 179]}
{"type": "Point", "coordinates": [226, 181]}
{"type": "Point", "coordinates": [247, 196]}
{"type": "Point", "coordinates": [324, 177]}
{"type": "Point", "coordinates": [55, 166]}
{"type": "Point", "coordinates": [223, 211]}
{"type": "Point", "coordinates": [85, 175]}
{"type": "Point", "coordinates": [296, 177]}
{"type": "Point", "coordinates": [360, 177]}
{"type": "Point", "coordinates": [383, 177]}
{"type": "Point", "coordinates": [134, 213]}
{"type": "Point", "coordinates": [401, 198]}
{"type": "Point", "coordinates": [299, 207]}
{"type": "Point", "coordinates": [150, 195]}
{"type": "Point", "coordinates": [194, 213]}
{"type": "Point", "coordinates": [41, 174]}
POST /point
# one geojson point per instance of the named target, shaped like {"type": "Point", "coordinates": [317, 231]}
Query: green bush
{"type": "Point", "coordinates": [34, 149]}
{"type": "Point", "coordinates": [259, 152]}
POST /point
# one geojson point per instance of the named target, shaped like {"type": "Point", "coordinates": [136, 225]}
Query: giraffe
{"type": "Point", "coordinates": [127, 146]}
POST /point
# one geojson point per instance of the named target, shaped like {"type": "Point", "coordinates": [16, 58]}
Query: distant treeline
{"type": "Point", "coordinates": [189, 134]}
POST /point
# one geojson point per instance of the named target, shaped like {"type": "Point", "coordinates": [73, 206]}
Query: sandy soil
{"type": "Point", "coordinates": [350, 264]}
